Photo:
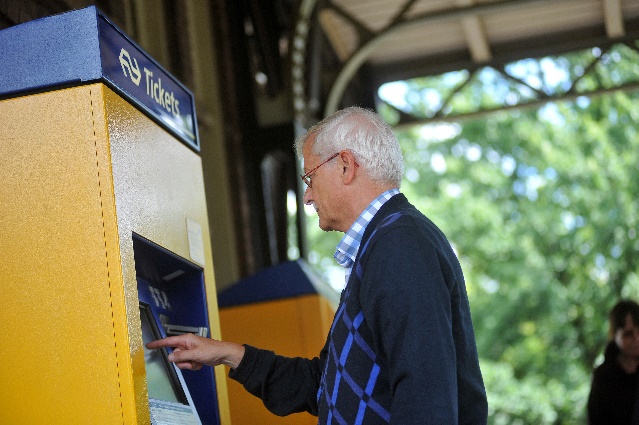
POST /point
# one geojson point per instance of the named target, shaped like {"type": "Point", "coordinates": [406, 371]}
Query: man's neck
{"type": "Point", "coordinates": [364, 200]}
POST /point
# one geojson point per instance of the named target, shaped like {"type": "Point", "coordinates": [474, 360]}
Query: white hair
{"type": "Point", "coordinates": [364, 133]}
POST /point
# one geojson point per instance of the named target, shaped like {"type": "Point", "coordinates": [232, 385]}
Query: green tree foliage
{"type": "Point", "coordinates": [542, 207]}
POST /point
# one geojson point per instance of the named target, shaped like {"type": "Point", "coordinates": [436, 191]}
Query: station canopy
{"type": "Point", "coordinates": [372, 42]}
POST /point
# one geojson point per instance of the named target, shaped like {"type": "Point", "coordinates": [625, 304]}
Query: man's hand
{"type": "Point", "coordinates": [192, 352]}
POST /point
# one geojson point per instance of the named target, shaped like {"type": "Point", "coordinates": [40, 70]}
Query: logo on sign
{"type": "Point", "coordinates": [130, 67]}
{"type": "Point", "coordinates": [154, 89]}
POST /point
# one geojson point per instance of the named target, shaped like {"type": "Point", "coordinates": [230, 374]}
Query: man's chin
{"type": "Point", "coordinates": [325, 226]}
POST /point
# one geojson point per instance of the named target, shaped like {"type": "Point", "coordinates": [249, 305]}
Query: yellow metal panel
{"type": "Point", "coordinates": [158, 185]}
{"type": "Point", "coordinates": [291, 327]}
{"type": "Point", "coordinates": [62, 354]}
{"type": "Point", "coordinates": [315, 316]}
{"type": "Point", "coordinates": [126, 323]}
{"type": "Point", "coordinates": [81, 170]}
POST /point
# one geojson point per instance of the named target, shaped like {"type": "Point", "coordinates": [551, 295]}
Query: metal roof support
{"type": "Point", "coordinates": [369, 45]}
{"type": "Point", "coordinates": [613, 18]}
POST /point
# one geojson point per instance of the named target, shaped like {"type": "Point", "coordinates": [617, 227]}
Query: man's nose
{"type": "Point", "coordinates": [307, 199]}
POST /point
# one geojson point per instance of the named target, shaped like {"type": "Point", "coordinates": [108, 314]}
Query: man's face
{"type": "Point", "coordinates": [323, 193]}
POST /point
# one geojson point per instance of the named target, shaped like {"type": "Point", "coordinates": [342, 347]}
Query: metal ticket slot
{"type": "Point", "coordinates": [105, 240]}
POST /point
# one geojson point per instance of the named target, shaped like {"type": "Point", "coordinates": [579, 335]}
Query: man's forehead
{"type": "Point", "coordinates": [307, 150]}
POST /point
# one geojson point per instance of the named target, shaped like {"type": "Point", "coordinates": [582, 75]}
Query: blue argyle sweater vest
{"type": "Point", "coordinates": [352, 390]}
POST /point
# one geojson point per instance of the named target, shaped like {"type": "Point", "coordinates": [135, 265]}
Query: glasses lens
{"type": "Point", "coordinates": [306, 178]}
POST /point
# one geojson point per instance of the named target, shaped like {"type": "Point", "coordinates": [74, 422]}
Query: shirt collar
{"type": "Point", "coordinates": [349, 245]}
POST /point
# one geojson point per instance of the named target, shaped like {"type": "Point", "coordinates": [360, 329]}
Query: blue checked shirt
{"type": "Point", "coordinates": [349, 245]}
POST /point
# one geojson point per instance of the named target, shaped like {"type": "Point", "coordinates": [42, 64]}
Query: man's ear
{"type": "Point", "coordinates": [349, 166]}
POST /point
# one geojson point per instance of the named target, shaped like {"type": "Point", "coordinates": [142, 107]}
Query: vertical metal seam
{"type": "Point", "coordinates": [106, 253]}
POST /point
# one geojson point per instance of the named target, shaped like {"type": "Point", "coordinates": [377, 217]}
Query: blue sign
{"type": "Point", "coordinates": [131, 70]}
{"type": "Point", "coordinates": [83, 46]}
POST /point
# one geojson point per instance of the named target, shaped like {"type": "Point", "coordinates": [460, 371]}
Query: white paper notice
{"type": "Point", "coordinates": [196, 243]}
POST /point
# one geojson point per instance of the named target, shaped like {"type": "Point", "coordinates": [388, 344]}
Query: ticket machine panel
{"type": "Point", "coordinates": [173, 301]}
{"type": "Point", "coordinates": [93, 171]}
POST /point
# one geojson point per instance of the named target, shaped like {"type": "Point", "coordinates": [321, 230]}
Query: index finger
{"type": "Point", "coordinates": [171, 341]}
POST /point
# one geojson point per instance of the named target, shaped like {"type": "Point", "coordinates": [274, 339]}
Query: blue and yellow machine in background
{"type": "Point", "coordinates": [104, 226]}
{"type": "Point", "coordinates": [286, 308]}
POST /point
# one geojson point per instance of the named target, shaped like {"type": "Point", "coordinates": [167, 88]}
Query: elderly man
{"type": "Point", "coordinates": [401, 349]}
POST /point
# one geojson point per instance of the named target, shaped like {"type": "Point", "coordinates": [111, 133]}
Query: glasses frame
{"type": "Point", "coordinates": [306, 178]}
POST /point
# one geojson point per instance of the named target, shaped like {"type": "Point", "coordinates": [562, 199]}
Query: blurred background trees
{"type": "Point", "coordinates": [541, 207]}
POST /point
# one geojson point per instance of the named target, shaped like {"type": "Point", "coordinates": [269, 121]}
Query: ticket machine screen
{"type": "Point", "coordinates": [162, 381]}
{"type": "Point", "coordinates": [168, 401]}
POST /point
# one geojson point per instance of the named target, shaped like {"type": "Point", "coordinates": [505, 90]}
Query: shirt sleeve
{"type": "Point", "coordinates": [284, 384]}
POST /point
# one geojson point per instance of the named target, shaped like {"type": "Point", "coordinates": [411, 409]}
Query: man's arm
{"type": "Point", "coordinates": [285, 385]}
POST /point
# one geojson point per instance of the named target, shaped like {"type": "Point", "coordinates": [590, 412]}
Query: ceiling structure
{"type": "Point", "coordinates": [379, 41]}
{"type": "Point", "coordinates": [340, 52]}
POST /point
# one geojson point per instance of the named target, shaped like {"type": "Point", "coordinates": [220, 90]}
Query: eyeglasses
{"type": "Point", "coordinates": [306, 178]}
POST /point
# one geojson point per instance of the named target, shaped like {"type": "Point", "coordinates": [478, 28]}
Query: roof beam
{"type": "Point", "coordinates": [613, 18]}
{"type": "Point", "coordinates": [331, 29]}
{"type": "Point", "coordinates": [534, 47]}
{"type": "Point", "coordinates": [364, 51]}
{"type": "Point", "coordinates": [409, 121]}
{"type": "Point", "coordinates": [475, 35]}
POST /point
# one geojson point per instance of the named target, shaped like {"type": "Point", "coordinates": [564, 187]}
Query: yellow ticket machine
{"type": "Point", "coordinates": [105, 238]}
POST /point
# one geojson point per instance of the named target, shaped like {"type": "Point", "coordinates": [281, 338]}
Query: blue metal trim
{"type": "Point", "coordinates": [83, 45]}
